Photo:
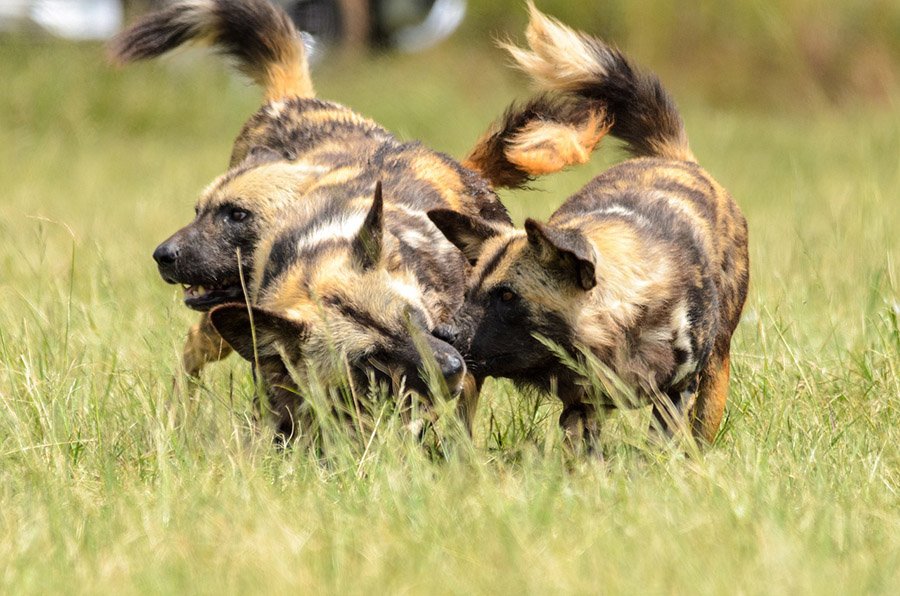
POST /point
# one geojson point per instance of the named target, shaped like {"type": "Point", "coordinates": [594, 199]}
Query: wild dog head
{"type": "Point", "coordinates": [246, 205]}
{"type": "Point", "coordinates": [336, 300]}
{"type": "Point", "coordinates": [525, 283]}
{"type": "Point", "coordinates": [233, 211]}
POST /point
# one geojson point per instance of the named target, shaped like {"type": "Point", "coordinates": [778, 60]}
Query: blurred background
{"type": "Point", "coordinates": [741, 51]}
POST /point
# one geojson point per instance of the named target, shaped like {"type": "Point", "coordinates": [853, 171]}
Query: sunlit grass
{"type": "Point", "coordinates": [111, 482]}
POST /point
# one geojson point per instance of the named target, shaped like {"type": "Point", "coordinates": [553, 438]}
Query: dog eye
{"type": "Point", "coordinates": [238, 214]}
{"type": "Point", "coordinates": [508, 306]}
{"type": "Point", "coordinates": [504, 294]}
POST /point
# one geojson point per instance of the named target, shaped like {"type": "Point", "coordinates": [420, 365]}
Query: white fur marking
{"type": "Point", "coordinates": [624, 211]}
{"type": "Point", "coordinates": [346, 228]}
{"type": "Point", "coordinates": [274, 109]}
{"type": "Point", "coordinates": [409, 292]}
{"type": "Point", "coordinates": [682, 328]}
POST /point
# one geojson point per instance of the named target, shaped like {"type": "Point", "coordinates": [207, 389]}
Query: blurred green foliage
{"type": "Point", "coordinates": [759, 51]}
{"type": "Point", "coordinates": [784, 53]}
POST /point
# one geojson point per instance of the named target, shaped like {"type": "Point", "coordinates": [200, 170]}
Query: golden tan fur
{"type": "Point", "coordinates": [202, 346]}
{"type": "Point", "coordinates": [542, 137]}
{"type": "Point", "coordinates": [558, 58]}
{"type": "Point", "coordinates": [276, 63]}
{"type": "Point", "coordinates": [545, 148]}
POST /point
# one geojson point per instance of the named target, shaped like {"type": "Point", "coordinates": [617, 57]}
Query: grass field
{"type": "Point", "coordinates": [109, 482]}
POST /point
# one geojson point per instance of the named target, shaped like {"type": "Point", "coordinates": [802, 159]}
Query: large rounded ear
{"type": "Point", "coordinates": [255, 333]}
{"type": "Point", "coordinates": [366, 245]}
{"type": "Point", "coordinates": [467, 233]}
{"type": "Point", "coordinates": [567, 251]}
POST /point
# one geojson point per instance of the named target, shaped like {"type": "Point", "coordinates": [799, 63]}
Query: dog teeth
{"type": "Point", "coordinates": [194, 291]}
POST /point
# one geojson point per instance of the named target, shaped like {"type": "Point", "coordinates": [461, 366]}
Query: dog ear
{"type": "Point", "coordinates": [256, 333]}
{"type": "Point", "coordinates": [565, 250]}
{"type": "Point", "coordinates": [366, 246]}
{"type": "Point", "coordinates": [467, 233]}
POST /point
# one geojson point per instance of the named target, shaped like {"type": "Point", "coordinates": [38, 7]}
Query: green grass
{"type": "Point", "coordinates": [109, 482]}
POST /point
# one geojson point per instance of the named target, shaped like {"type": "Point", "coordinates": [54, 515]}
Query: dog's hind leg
{"type": "Point", "coordinates": [710, 406]}
{"type": "Point", "coordinates": [203, 346]}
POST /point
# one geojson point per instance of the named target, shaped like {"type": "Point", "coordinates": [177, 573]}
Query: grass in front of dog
{"type": "Point", "coordinates": [110, 482]}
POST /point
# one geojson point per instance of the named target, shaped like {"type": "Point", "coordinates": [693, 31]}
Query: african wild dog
{"type": "Point", "coordinates": [330, 264]}
{"type": "Point", "coordinates": [646, 266]}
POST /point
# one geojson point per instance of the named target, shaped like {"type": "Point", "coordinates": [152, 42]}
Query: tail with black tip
{"type": "Point", "coordinates": [258, 35]}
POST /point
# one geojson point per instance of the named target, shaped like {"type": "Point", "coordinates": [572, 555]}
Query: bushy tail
{"type": "Point", "coordinates": [590, 89]}
{"type": "Point", "coordinates": [542, 136]}
{"type": "Point", "coordinates": [258, 35]}
{"type": "Point", "coordinates": [642, 112]}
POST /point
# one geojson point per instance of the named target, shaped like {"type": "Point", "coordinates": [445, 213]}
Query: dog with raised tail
{"type": "Point", "coordinates": [646, 266]}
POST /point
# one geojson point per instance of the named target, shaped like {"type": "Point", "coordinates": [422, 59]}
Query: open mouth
{"type": "Point", "coordinates": [200, 297]}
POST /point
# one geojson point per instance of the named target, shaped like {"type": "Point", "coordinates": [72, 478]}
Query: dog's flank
{"type": "Point", "coordinates": [646, 266]}
{"type": "Point", "coordinates": [260, 38]}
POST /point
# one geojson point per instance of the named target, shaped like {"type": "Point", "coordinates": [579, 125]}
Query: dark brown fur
{"type": "Point", "coordinates": [544, 135]}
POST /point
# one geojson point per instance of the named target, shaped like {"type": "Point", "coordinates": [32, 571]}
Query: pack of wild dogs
{"type": "Point", "coordinates": [331, 252]}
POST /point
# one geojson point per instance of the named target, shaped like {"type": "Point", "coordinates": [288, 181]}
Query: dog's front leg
{"type": "Point", "coordinates": [203, 345]}
{"type": "Point", "coordinates": [580, 421]}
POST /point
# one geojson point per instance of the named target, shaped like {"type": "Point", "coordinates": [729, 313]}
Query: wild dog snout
{"type": "Point", "coordinates": [453, 369]}
{"type": "Point", "coordinates": [450, 363]}
{"type": "Point", "coordinates": [166, 256]}
{"type": "Point", "coordinates": [166, 253]}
